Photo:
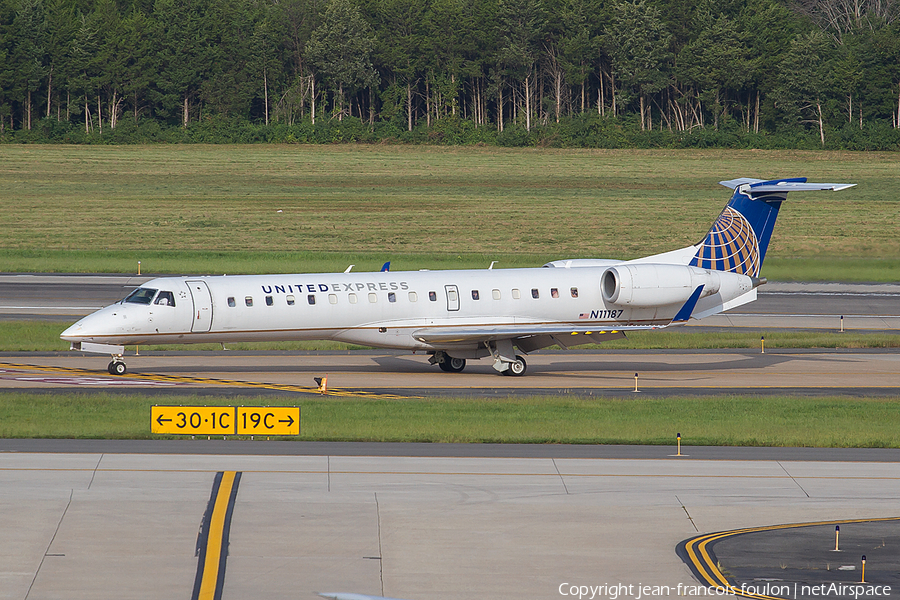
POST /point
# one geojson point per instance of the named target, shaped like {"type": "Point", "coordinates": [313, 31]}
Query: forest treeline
{"type": "Point", "coordinates": [596, 73]}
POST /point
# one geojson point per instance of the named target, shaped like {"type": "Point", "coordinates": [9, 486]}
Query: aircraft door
{"type": "Point", "coordinates": [452, 297]}
{"type": "Point", "coordinates": [202, 319]}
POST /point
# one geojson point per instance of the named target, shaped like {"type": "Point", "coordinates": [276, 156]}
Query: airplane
{"type": "Point", "coordinates": [460, 315]}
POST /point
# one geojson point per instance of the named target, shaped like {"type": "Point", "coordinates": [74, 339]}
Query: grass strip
{"type": "Point", "coordinates": [838, 422]}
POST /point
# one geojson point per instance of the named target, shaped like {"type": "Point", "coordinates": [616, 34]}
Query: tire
{"type": "Point", "coordinates": [116, 368]}
{"type": "Point", "coordinates": [517, 368]}
{"type": "Point", "coordinates": [452, 365]}
{"type": "Point", "coordinates": [456, 365]}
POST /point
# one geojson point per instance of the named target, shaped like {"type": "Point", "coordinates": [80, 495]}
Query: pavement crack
{"type": "Point", "coordinates": [792, 478]}
{"type": "Point", "coordinates": [380, 553]}
{"type": "Point", "coordinates": [94, 473]}
{"type": "Point", "coordinates": [50, 545]}
{"type": "Point", "coordinates": [690, 518]}
{"type": "Point", "coordinates": [561, 478]}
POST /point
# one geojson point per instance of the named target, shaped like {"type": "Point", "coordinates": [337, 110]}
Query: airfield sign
{"type": "Point", "coordinates": [273, 420]}
{"type": "Point", "coordinates": [225, 420]}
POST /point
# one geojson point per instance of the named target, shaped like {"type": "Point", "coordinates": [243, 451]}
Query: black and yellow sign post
{"type": "Point", "coordinates": [225, 420]}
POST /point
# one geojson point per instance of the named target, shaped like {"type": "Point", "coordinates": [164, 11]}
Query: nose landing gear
{"type": "Point", "coordinates": [117, 366]}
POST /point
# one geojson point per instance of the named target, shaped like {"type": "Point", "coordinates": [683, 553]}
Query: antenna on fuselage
{"type": "Point", "coordinates": [348, 268]}
{"type": "Point", "coordinates": [493, 262]}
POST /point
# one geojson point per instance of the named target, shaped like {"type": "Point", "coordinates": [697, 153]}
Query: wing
{"type": "Point", "coordinates": [527, 337]}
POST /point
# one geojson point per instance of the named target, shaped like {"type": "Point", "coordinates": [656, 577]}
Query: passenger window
{"type": "Point", "coordinates": [432, 296]}
{"type": "Point", "coordinates": [311, 299]}
{"type": "Point", "coordinates": [574, 292]}
{"type": "Point", "coordinates": [248, 301]}
{"type": "Point", "coordinates": [474, 294]}
{"type": "Point", "coordinates": [332, 298]}
{"type": "Point", "coordinates": [554, 293]}
{"type": "Point", "coordinates": [515, 294]}
{"type": "Point", "coordinates": [495, 294]}
{"type": "Point", "coordinates": [413, 297]}
{"type": "Point", "coordinates": [373, 298]}
{"type": "Point", "coordinates": [392, 297]}
{"type": "Point", "coordinates": [231, 301]}
{"type": "Point", "coordinates": [352, 298]}
{"type": "Point", "coordinates": [270, 301]}
{"type": "Point", "coordinates": [165, 299]}
{"type": "Point", "coordinates": [535, 293]}
{"type": "Point", "coordinates": [290, 300]}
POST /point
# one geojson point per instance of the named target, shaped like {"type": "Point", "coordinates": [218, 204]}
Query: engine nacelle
{"type": "Point", "coordinates": [648, 285]}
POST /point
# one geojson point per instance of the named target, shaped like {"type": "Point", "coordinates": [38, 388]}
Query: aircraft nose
{"type": "Point", "coordinates": [98, 324]}
{"type": "Point", "coordinates": [73, 333]}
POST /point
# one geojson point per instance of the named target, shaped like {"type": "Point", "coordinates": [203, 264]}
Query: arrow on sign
{"type": "Point", "coordinates": [289, 420]}
{"type": "Point", "coordinates": [160, 420]}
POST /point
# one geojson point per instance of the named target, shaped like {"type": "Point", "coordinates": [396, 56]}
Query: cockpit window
{"type": "Point", "coordinates": [141, 296]}
{"type": "Point", "coordinates": [165, 299]}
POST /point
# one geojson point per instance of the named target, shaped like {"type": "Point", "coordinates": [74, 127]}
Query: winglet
{"type": "Point", "coordinates": [386, 267]}
{"type": "Point", "coordinates": [685, 313]}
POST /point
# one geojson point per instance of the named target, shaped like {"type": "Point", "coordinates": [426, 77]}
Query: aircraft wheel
{"type": "Point", "coordinates": [116, 368]}
{"type": "Point", "coordinates": [517, 367]}
{"type": "Point", "coordinates": [452, 365]}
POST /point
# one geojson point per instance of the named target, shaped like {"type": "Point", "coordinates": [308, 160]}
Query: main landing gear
{"type": "Point", "coordinates": [516, 367]}
{"type": "Point", "coordinates": [447, 363]}
{"type": "Point", "coordinates": [117, 366]}
{"type": "Point", "coordinates": [506, 366]}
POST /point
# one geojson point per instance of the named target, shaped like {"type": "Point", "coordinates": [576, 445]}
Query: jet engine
{"type": "Point", "coordinates": [648, 285]}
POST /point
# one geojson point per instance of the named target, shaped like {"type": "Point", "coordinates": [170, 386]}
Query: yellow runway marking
{"type": "Point", "coordinates": [214, 546]}
{"type": "Point", "coordinates": [138, 377]}
{"type": "Point", "coordinates": [708, 570]}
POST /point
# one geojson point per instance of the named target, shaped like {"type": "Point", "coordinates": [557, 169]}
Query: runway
{"type": "Point", "coordinates": [100, 524]}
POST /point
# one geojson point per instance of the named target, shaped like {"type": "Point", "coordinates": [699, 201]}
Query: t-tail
{"type": "Point", "coordinates": [738, 240]}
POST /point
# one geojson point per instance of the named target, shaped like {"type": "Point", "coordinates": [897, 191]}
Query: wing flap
{"type": "Point", "coordinates": [560, 332]}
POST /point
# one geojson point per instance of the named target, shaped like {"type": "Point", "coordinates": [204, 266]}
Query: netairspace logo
{"type": "Point", "coordinates": [616, 591]}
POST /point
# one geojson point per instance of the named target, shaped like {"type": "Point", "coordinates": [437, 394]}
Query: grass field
{"type": "Point", "coordinates": [731, 421]}
{"type": "Point", "coordinates": [248, 209]}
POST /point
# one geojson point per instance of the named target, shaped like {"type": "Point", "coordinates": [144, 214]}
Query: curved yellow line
{"type": "Point", "coordinates": [709, 571]}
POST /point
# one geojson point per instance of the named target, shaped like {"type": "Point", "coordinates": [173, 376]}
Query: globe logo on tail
{"type": "Point", "coordinates": [730, 245]}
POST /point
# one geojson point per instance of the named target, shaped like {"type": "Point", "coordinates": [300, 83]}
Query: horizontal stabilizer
{"type": "Point", "coordinates": [797, 184]}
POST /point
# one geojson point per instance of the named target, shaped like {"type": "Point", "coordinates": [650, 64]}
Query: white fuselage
{"type": "Point", "coordinates": [377, 309]}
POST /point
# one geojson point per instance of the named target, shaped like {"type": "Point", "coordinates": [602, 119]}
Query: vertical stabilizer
{"type": "Point", "coordinates": [738, 240]}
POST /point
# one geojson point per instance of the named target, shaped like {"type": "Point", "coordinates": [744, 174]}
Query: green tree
{"type": "Point", "coordinates": [521, 29]}
{"type": "Point", "coordinates": [715, 62]}
{"type": "Point", "coordinates": [27, 55]}
{"type": "Point", "coordinates": [181, 61]}
{"type": "Point", "coordinates": [802, 81]}
{"type": "Point", "coordinates": [400, 52]}
{"type": "Point", "coordinates": [638, 43]}
{"type": "Point", "coordinates": [341, 48]}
